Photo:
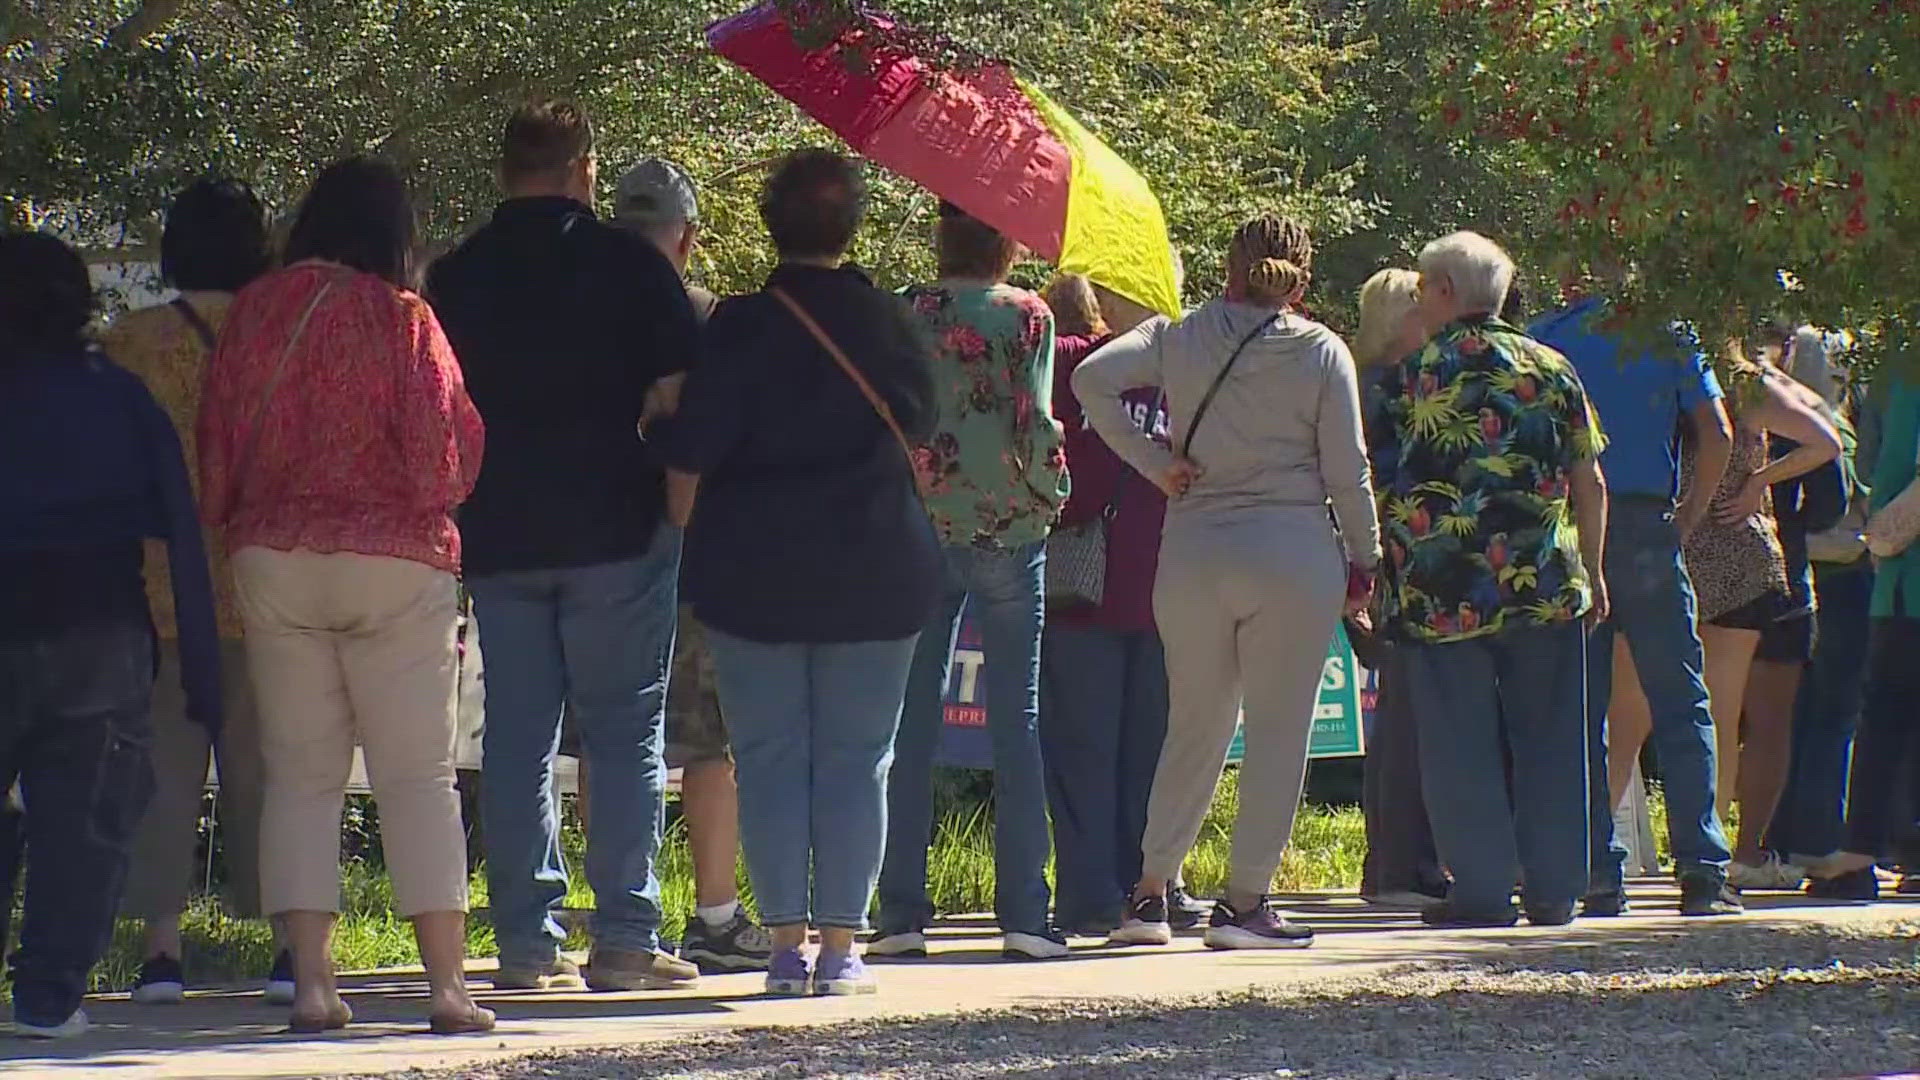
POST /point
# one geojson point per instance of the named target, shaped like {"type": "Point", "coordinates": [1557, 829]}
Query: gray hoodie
{"type": "Point", "coordinates": [1284, 430]}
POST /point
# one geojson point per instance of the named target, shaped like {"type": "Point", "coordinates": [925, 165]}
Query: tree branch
{"type": "Point", "coordinates": [149, 19]}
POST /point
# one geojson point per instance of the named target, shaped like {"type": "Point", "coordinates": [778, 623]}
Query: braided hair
{"type": "Point", "coordinates": [1269, 261]}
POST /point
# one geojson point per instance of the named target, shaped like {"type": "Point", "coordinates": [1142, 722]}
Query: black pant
{"type": "Point", "coordinates": [1888, 740]}
{"type": "Point", "coordinates": [75, 731]}
{"type": "Point", "coordinates": [1400, 853]}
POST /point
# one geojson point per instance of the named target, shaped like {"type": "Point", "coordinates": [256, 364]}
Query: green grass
{"type": "Point", "coordinates": [1328, 846]}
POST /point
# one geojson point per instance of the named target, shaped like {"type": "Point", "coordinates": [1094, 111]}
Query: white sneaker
{"type": "Point", "coordinates": [279, 989]}
{"type": "Point", "coordinates": [73, 1027]}
{"type": "Point", "coordinates": [1033, 947]}
{"type": "Point", "coordinates": [1772, 875]}
{"type": "Point", "coordinates": [913, 943]}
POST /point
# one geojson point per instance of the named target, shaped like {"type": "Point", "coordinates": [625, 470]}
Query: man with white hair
{"type": "Point", "coordinates": [1485, 457]}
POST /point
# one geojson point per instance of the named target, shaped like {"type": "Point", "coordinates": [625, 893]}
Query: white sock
{"type": "Point", "coordinates": [719, 915]}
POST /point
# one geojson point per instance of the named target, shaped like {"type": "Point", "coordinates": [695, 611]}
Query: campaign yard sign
{"type": "Point", "coordinates": [1339, 720]}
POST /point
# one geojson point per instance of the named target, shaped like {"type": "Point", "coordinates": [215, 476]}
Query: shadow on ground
{"type": "Point", "coordinates": [1732, 999]}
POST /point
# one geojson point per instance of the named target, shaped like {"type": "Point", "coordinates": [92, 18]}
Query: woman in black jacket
{"type": "Point", "coordinates": [809, 559]}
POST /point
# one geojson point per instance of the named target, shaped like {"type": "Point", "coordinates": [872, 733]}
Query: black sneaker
{"type": "Point", "coordinates": [740, 945]}
{"type": "Point", "coordinates": [161, 982]}
{"type": "Point", "coordinates": [1144, 924]}
{"type": "Point", "coordinates": [1045, 943]}
{"type": "Point", "coordinates": [1257, 928]}
{"type": "Point", "coordinates": [1700, 896]}
{"type": "Point", "coordinates": [1858, 886]}
{"type": "Point", "coordinates": [1185, 910]}
{"type": "Point", "coordinates": [279, 988]}
{"type": "Point", "coordinates": [1605, 905]}
{"type": "Point", "coordinates": [1446, 916]}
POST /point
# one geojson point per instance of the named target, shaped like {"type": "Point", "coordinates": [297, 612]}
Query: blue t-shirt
{"type": "Point", "coordinates": [1640, 399]}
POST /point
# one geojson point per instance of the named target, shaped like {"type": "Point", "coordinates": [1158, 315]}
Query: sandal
{"type": "Point", "coordinates": [332, 1020]}
{"type": "Point", "coordinates": [472, 1020]}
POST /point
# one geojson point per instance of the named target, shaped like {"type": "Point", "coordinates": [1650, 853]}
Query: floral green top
{"type": "Point", "coordinates": [996, 466]}
{"type": "Point", "coordinates": [1472, 441]}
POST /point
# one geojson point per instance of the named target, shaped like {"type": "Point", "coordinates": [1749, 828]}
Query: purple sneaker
{"type": "Point", "coordinates": [842, 976]}
{"type": "Point", "coordinates": [788, 974]}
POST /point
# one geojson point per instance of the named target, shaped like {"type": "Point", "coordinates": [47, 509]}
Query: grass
{"type": "Point", "coordinates": [1328, 846]}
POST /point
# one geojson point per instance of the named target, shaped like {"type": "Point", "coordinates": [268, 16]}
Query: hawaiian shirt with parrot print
{"type": "Point", "coordinates": [1472, 440]}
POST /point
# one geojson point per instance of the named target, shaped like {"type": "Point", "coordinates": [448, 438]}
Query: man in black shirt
{"type": "Point", "coordinates": [563, 325]}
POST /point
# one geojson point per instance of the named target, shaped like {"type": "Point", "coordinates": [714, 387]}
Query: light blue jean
{"type": "Point", "coordinates": [595, 640]}
{"type": "Point", "coordinates": [812, 729]}
{"type": "Point", "coordinates": [1653, 604]}
{"type": "Point", "coordinates": [1005, 592]}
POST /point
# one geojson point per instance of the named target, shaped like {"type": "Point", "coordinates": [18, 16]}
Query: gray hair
{"type": "Point", "coordinates": [655, 198]}
{"type": "Point", "coordinates": [1480, 270]}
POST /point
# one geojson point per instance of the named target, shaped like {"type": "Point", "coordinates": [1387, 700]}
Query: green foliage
{"type": "Point", "coordinates": [1734, 159]}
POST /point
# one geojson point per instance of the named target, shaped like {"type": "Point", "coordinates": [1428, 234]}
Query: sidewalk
{"type": "Point", "coordinates": [231, 1034]}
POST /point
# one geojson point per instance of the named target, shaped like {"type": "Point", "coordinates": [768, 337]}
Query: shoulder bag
{"type": "Point", "coordinates": [873, 397]}
{"type": "Point", "coordinates": [266, 396]}
{"type": "Point", "coordinates": [1206, 402]}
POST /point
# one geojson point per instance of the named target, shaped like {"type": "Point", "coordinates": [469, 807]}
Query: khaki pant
{"type": "Point", "coordinates": [344, 646]}
{"type": "Point", "coordinates": [161, 875]}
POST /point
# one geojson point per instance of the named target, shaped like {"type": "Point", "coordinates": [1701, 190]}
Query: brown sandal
{"type": "Point", "coordinates": [471, 1021]}
{"type": "Point", "coordinates": [332, 1020]}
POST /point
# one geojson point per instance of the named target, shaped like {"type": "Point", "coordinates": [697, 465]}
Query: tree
{"type": "Point", "coordinates": [1714, 160]}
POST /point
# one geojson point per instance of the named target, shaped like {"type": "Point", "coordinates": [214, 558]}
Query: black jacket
{"type": "Point", "coordinates": [808, 528]}
{"type": "Point", "coordinates": [561, 324]}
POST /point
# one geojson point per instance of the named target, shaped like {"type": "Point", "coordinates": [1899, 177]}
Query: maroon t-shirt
{"type": "Point", "coordinates": [1100, 480]}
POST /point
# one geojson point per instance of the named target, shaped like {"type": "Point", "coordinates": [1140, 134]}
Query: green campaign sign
{"type": "Point", "coordinates": [1337, 727]}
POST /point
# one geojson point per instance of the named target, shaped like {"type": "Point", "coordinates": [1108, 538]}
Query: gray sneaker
{"type": "Point", "coordinates": [625, 969]}
{"type": "Point", "coordinates": [559, 973]}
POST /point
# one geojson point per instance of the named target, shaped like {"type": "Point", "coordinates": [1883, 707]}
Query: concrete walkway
{"type": "Point", "coordinates": [232, 1034]}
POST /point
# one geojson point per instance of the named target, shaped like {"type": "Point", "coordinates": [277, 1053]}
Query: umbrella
{"type": "Point", "coordinates": [983, 139]}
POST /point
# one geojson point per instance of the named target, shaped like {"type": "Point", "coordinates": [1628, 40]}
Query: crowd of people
{"type": "Point", "coordinates": [736, 537]}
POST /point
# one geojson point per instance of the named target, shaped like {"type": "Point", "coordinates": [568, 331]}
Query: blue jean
{"type": "Point", "coordinates": [1653, 604]}
{"type": "Point", "coordinates": [75, 731]}
{"type": "Point", "coordinates": [1103, 716]}
{"type": "Point", "coordinates": [1006, 592]}
{"type": "Point", "coordinates": [596, 641]}
{"type": "Point", "coordinates": [1811, 819]}
{"type": "Point", "coordinates": [812, 729]}
{"type": "Point", "coordinates": [1521, 691]}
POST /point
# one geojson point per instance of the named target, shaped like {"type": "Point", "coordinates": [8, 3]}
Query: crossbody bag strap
{"type": "Point", "coordinates": [273, 384]}
{"type": "Point", "coordinates": [1186, 445]}
{"type": "Point", "coordinates": [839, 355]}
{"type": "Point", "coordinates": [197, 322]}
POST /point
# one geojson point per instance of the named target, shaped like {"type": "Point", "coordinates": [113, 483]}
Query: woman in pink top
{"type": "Point", "coordinates": [336, 440]}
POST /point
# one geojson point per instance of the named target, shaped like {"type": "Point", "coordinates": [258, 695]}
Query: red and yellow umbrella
{"type": "Point", "coordinates": [983, 139]}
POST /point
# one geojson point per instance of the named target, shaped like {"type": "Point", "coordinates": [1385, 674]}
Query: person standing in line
{"type": "Point", "coordinates": [90, 467]}
{"type": "Point", "coordinates": [1402, 869]}
{"type": "Point", "coordinates": [213, 245]}
{"type": "Point", "coordinates": [998, 478]}
{"type": "Point", "coordinates": [1645, 666]}
{"type": "Point", "coordinates": [1487, 450]}
{"type": "Point", "coordinates": [1103, 673]}
{"type": "Point", "coordinates": [1266, 415]}
{"type": "Point", "coordinates": [810, 559]}
{"type": "Point", "coordinates": [335, 440]}
{"type": "Point", "coordinates": [1809, 826]}
{"type": "Point", "coordinates": [563, 325]}
{"type": "Point", "coordinates": [655, 200]}
{"type": "Point", "coordinates": [1888, 742]}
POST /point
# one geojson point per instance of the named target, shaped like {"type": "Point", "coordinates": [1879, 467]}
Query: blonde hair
{"type": "Point", "coordinates": [1076, 310]}
{"type": "Point", "coordinates": [1385, 301]}
{"type": "Point", "coordinates": [1270, 260]}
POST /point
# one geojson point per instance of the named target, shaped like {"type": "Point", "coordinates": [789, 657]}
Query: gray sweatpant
{"type": "Point", "coordinates": [1246, 606]}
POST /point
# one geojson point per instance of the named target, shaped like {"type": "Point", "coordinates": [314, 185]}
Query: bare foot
{"type": "Point", "coordinates": [460, 1020]}
{"type": "Point", "coordinates": [1845, 862]}
{"type": "Point", "coordinates": [309, 1019]}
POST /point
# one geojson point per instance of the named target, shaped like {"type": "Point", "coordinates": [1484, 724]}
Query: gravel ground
{"type": "Point", "coordinates": [1717, 1001]}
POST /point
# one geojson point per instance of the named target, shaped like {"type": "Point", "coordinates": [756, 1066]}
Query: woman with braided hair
{"type": "Point", "coordinates": [1253, 572]}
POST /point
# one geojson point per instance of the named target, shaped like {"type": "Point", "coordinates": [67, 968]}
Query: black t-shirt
{"type": "Point", "coordinates": [561, 324]}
